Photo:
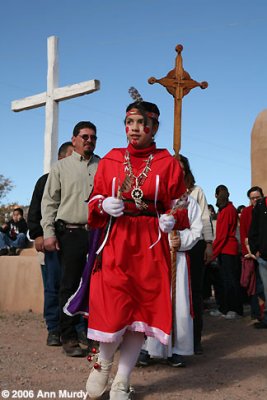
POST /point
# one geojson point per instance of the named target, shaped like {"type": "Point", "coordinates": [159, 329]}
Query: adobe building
{"type": "Point", "coordinates": [21, 286]}
{"type": "Point", "coordinates": [259, 152]}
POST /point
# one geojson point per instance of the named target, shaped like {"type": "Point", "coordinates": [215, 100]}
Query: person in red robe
{"type": "Point", "coordinates": [225, 248]}
{"type": "Point", "coordinates": [130, 291]}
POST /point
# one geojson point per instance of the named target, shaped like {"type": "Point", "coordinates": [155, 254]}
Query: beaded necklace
{"type": "Point", "coordinates": [137, 181]}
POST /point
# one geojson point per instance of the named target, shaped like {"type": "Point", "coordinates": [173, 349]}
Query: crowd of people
{"type": "Point", "coordinates": [153, 252]}
{"type": "Point", "coordinates": [235, 274]}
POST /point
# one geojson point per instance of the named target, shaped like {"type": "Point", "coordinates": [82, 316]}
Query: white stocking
{"type": "Point", "coordinates": [107, 350]}
{"type": "Point", "coordinates": [129, 351]}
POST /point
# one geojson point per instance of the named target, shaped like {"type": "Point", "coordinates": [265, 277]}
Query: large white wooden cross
{"type": "Point", "coordinates": [50, 100]}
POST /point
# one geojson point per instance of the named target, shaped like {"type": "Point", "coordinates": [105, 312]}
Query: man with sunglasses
{"type": "Point", "coordinates": [64, 221]}
{"type": "Point", "coordinates": [50, 266]}
{"type": "Point", "coordinates": [250, 268]}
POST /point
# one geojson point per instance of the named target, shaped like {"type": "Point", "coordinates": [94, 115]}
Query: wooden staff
{"type": "Point", "coordinates": [178, 83]}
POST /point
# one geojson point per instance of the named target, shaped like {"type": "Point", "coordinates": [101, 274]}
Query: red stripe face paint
{"type": "Point", "coordinates": [147, 129]}
{"type": "Point", "coordinates": [127, 129]}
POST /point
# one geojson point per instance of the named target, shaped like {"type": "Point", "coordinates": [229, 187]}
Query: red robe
{"type": "Point", "coordinates": [245, 221]}
{"type": "Point", "coordinates": [225, 241]}
{"type": "Point", "coordinates": [248, 275]}
{"type": "Point", "coordinates": [132, 288]}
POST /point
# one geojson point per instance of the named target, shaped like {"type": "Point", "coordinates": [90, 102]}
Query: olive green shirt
{"type": "Point", "coordinates": [69, 184]}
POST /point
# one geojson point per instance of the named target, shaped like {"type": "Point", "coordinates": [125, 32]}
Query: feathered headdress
{"type": "Point", "coordinates": [148, 107]}
{"type": "Point", "coordinates": [135, 95]}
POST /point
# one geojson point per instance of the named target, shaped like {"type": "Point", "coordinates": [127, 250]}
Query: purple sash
{"type": "Point", "coordinates": [78, 303]}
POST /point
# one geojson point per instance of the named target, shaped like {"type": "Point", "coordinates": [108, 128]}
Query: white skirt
{"type": "Point", "coordinates": [184, 338]}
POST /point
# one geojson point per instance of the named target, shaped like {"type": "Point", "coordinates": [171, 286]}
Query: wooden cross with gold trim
{"type": "Point", "coordinates": [178, 83]}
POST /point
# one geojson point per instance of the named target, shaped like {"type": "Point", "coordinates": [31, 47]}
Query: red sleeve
{"type": "Point", "coordinates": [176, 181]}
{"type": "Point", "coordinates": [182, 221]}
{"type": "Point", "coordinates": [97, 217]}
{"type": "Point", "coordinates": [175, 189]}
{"type": "Point", "coordinates": [173, 184]}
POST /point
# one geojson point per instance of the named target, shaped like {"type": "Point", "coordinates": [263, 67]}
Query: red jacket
{"type": "Point", "coordinates": [226, 241]}
{"type": "Point", "coordinates": [245, 221]}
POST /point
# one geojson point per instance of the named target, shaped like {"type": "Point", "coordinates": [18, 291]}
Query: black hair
{"type": "Point", "coordinates": [63, 149]}
{"type": "Point", "coordinates": [240, 208]}
{"type": "Point", "coordinates": [222, 189]}
{"type": "Point", "coordinates": [255, 189]}
{"type": "Point", "coordinates": [222, 194]}
{"type": "Point", "coordinates": [210, 207]}
{"type": "Point", "coordinates": [81, 125]}
{"type": "Point", "coordinates": [144, 107]}
{"type": "Point", "coordinates": [20, 210]}
{"type": "Point", "coordinates": [189, 178]}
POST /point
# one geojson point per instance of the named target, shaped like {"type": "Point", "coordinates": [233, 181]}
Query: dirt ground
{"type": "Point", "coordinates": [233, 366]}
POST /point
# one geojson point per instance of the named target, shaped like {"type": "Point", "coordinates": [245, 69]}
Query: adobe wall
{"type": "Point", "coordinates": [21, 286]}
{"type": "Point", "coordinates": [259, 152]}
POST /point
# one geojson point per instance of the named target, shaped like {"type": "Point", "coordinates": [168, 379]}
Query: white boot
{"type": "Point", "coordinates": [97, 381]}
{"type": "Point", "coordinates": [120, 389]}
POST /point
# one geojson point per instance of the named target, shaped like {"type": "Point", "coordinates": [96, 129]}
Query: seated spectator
{"type": "Point", "coordinates": [13, 234]}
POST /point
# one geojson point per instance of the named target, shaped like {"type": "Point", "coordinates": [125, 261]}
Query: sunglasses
{"type": "Point", "coordinates": [87, 137]}
{"type": "Point", "coordinates": [255, 198]}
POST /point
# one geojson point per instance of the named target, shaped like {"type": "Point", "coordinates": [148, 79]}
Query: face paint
{"type": "Point", "coordinates": [127, 129]}
{"type": "Point", "coordinates": [147, 129]}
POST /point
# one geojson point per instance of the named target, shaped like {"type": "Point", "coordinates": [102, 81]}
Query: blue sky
{"type": "Point", "coordinates": [123, 43]}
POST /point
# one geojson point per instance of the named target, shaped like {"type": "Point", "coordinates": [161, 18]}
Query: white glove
{"type": "Point", "coordinates": [166, 223]}
{"type": "Point", "coordinates": [113, 206]}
